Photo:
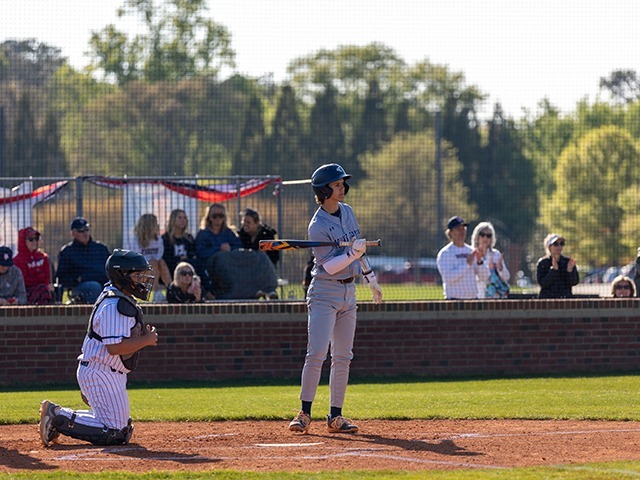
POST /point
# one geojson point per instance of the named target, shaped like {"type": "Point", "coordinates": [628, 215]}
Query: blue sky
{"type": "Point", "coordinates": [517, 51]}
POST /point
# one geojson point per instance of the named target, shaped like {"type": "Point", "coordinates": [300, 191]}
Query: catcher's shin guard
{"type": "Point", "coordinates": [94, 435]}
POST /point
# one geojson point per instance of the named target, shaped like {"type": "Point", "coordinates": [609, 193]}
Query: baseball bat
{"type": "Point", "coordinates": [265, 245]}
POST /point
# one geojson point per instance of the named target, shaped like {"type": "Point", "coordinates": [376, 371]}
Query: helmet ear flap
{"type": "Point", "coordinates": [346, 187]}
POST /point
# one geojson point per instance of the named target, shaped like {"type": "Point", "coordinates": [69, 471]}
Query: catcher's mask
{"type": "Point", "coordinates": [325, 175]}
{"type": "Point", "coordinates": [122, 264]}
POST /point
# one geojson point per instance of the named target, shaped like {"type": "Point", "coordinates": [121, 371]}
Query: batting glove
{"type": "Point", "coordinates": [359, 247]}
{"type": "Point", "coordinates": [376, 291]}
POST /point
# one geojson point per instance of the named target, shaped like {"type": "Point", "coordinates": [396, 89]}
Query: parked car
{"type": "Point", "coordinates": [402, 270]}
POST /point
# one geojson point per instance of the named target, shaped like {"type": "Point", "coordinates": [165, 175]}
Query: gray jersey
{"type": "Point", "coordinates": [325, 227]}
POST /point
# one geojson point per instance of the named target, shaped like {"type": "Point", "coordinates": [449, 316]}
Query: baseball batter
{"type": "Point", "coordinates": [115, 335]}
{"type": "Point", "coordinates": [331, 297]}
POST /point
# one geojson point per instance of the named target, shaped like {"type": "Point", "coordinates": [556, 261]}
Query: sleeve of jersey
{"type": "Point", "coordinates": [110, 324]}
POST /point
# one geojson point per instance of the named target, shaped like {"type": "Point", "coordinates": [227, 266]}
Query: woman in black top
{"type": "Point", "coordinates": [253, 230]}
{"type": "Point", "coordinates": [185, 287]}
{"type": "Point", "coordinates": [556, 273]}
{"type": "Point", "coordinates": [179, 244]}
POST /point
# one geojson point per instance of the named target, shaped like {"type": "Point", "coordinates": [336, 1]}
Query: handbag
{"type": "Point", "coordinates": [496, 287]}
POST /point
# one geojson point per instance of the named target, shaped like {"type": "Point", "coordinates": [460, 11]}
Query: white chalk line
{"type": "Point", "coordinates": [539, 434]}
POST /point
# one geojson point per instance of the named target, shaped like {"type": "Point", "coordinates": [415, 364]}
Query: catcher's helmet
{"type": "Point", "coordinates": [325, 175]}
{"type": "Point", "coordinates": [119, 267]}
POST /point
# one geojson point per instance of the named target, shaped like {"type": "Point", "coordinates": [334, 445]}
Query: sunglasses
{"type": "Point", "coordinates": [486, 235]}
{"type": "Point", "coordinates": [186, 273]}
{"type": "Point", "coordinates": [33, 239]}
{"type": "Point", "coordinates": [82, 230]}
{"type": "Point", "coordinates": [558, 244]}
{"type": "Point", "coordinates": [624, 286]}
{"type": "Point", "coordinates": [217, 215]}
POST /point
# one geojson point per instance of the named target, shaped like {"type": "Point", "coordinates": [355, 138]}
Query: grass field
{"type": "Point", "coordinates": [612, 397]}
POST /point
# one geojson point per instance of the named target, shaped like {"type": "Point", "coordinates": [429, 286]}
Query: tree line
{"type": "Point", "coordinates": [156, 105]}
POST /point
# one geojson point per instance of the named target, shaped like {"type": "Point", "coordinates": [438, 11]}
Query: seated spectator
{"type": "Point", "coordinates": [179, 244]}
{"type": "Point", "coordinates": [12, 291]}
{"type": "Point", "coordinates": [185, 287]}
{"type": "Point", "coordinates": [147, 242]}
{"type": "Point", "coordinates": [623, 287]}
{"type": "Point", "coordinates": [35, 267]}
{"type": "Point", "coordinates": [253, 230]}
{"type": "Point", "coordinates": [81, 264]}
{"type": "Point", "coordinates": [215, 236]}
{"type": "Point", "coordinates": [556, 274]}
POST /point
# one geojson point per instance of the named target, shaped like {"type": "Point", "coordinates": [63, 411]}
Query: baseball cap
{"type": "Point", "coordinates": [79, 223]}
{"type": "Point", "coordinates": [6, 257]}
{"type": "Point", "coordinates": [455, 222]}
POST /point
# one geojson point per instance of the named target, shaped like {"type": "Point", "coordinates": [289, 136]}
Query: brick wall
{"type": "Point", "coordinates": [268, 340]}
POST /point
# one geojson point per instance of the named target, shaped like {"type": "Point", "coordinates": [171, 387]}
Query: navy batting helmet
{"type": "Point", "coordinates": [326, 174]}
{"type": "Point", "coordinates": [121, 264]}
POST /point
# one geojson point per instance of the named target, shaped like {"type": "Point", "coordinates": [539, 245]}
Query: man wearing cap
{"type": "Point", "coordinates": [459, 264]}
{"type": "Point", "coordinates": [12, 291]}
{"type": "Point", "coordinates": [81, 263]}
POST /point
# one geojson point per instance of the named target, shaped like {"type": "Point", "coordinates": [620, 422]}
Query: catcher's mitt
{"type": "Point", "coordinates": [130, 361]}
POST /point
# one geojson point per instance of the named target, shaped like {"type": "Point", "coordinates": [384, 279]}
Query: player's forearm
{"type": "Point", "coordinates": [127, 346]}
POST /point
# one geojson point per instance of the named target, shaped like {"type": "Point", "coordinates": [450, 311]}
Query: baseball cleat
{"type": "Point", "coordinates": [48, 433]}
{"type": "Point", "coordinates": [340, 424]}
{"type": "Point", "coordinates": [301, 423]}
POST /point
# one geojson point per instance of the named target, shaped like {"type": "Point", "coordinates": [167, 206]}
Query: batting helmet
{"type": "Point", "coordinates": [121, 264]}
{"type": "Point", "coordinates": [325, 175]}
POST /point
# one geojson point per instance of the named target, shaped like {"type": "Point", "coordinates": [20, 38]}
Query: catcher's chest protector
{"type": "Point", "coordinates": [127, 307]}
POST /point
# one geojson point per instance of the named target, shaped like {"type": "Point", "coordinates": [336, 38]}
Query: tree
{"type": "Point", "coordinates": [623, 85]}
{"type": "Point", "coordinates": [401, 180]}
{"type": "Point", "coordinates": [24, 147]}
{"type": "Point", "coordinates": [326, 138]}
{"type": "Point", "coordinates": [594, 177]}
{"type": "Point", "coordinates": [287, 153]}
{"type": "Point", "coordinates": [507, 180]}
{"type": "Point", "coordinates": [372, 130]}
{"type": "Point", "coordinates": [250, 154]}
{"type": "Point", "coordinates": [180, 43]}
{"type": "Point", "coordinates": [29, 62]}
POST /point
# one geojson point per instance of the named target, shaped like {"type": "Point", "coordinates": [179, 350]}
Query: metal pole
{"type": "Point", "coordinates": [439, 204]}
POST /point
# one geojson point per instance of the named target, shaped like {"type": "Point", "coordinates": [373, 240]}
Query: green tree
{"type": "Point", "coordinates": [24, 147]}
{"type": "Point", "coordinates": [623, 85]}
{"type": "Point", "coordinates": [594, 177]}
{"type": "Point", "coordinates": [287, 153]}
{"type": "Point", "coordinates": [372, 130]}
{"type": "Point", "coordinates": [401, 179]}
{"type": "Point", "coordinates": [250, 154]}
{"type": "Point", "coordinates": [29, 62]}
{"type": "Point", "coordinates": [180, 43]}
{"type": "Point", "coordinates": [326, 138]}
{"type": "Point", "coordinates": [507, 179]}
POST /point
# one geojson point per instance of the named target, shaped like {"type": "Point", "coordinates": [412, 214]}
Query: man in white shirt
{"type": "Point", "coordinates": [458, 263]}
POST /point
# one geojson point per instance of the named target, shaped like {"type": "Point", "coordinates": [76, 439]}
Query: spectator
{"type": "Point", "coordinates": [81, 264]}
{"type": "Point", "coordinates": [623, 287]}
{"type": "Point", "coordinates": [636, 275]}
{"type": "Point", "coordinates": [459, 264]}
{"type": "Point", "coordinates": [215, 236]}
{"type": "Point", "coordinates": [556, 273]}
{"type": "Point", "coordinates": [12, 291]}
{"type": "Point", "coordinates": [253, 230]}
{"type": "Point", "coordinates": [179, 244]}
{"type": "Point", "coordinates": [494, 277]}
{"type": "Point", "coordinates": [147, 242]}
{"type": "Point", "coordinates": [185, 287]}
{"type": "Point", "coordinates": [35, 267]}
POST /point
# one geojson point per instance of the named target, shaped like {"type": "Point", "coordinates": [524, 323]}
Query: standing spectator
{"type": "Point", "coordinates": [185, 287]}
{"type": "Point", "coordinates": [147, 242]}
{"type": "Point", "coordinates": [493, 268]}
{"type": "Point", "coordinates": [460, 266]}
{"type": "Point", "coordinates": [35, 267]}
{"type": "Point", "coordinates": [331, 298]}
{"type": "Point", "coordinates": [179, 244]}
{"type": "Point", "coordinates": [253, 230]}
{"type": "Point", "coordinates": [556, 273]}
{"type": "Point", "coordinates": [81, 263]}
{"type": "Point", "coordinates": [12, 291]}
{"type": "Point", "coordinates": [623, 287]}
{"type": "Point", "coordinates": [214, 236]}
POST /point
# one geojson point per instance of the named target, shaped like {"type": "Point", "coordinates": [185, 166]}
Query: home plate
{"type": "Point", "coordinates": [288, 444]}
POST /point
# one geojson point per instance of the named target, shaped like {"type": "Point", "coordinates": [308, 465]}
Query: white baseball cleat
{"type": "Point", "coordinates": [301, 423]}
{"type": "Point", "coordinates": [339, 424]}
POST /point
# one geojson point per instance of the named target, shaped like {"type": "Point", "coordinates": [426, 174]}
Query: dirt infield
{"type": "Point", "coordinates": [391, 445]}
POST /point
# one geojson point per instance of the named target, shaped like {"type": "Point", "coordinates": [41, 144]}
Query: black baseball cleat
{"type": "Point", "coordinates": [339, 424]}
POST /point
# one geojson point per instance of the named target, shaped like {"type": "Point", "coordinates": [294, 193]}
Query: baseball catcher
{"type": "Point", "coordinates": [115, 335]}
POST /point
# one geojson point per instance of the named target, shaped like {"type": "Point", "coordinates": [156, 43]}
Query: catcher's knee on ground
{"type": "Point", "coordinates": [94, 435]}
